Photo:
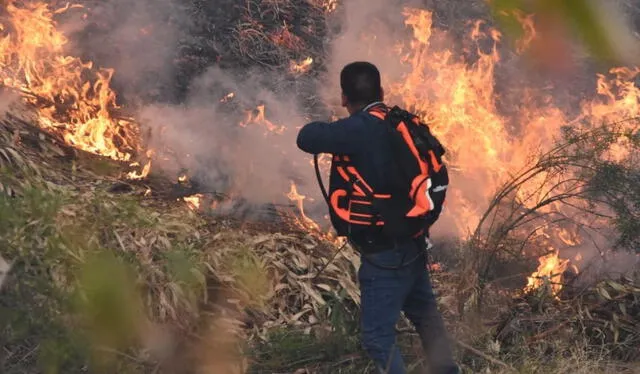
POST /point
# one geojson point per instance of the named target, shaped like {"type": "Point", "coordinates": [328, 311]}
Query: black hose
{"type": "Point", "coordinates": [320, 183]}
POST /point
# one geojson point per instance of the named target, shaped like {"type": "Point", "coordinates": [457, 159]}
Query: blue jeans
{"type": "Point", "coordinates": [387, 292]}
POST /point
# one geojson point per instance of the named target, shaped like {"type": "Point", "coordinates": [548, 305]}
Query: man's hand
{"type": "Point", "coordinates": [431, 264]}
{"type": "Point", "coordinates": [429, 244]}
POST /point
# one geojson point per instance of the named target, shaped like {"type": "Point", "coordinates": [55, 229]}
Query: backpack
{"type": "Point", "coordinates": [418, 184]}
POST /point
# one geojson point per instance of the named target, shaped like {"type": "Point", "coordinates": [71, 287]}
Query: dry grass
{"type": "Point", "coordinates": [127, 275]}
{"type": "Point", "coordinates": [273, 33]}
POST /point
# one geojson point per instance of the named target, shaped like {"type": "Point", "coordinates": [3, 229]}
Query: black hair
{"type": "Point", "coordinates": [360, 83]}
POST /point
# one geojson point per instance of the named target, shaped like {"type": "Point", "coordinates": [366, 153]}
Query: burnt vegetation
{"type": "Point", "coordinates": [101, 275]}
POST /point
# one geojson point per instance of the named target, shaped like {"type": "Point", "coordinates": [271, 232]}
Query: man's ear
{"type": "Point", "coordinates": [345, 102]}
{"type": "Point", "coordinates": [381, 94]}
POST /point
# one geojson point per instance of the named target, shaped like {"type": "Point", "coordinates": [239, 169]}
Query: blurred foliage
{"type": "Point", "coordinates": [84, 278]}
{"type": "Point", "coordinates": [252, 279]}
{"type": "Point", "coordinates": [620, 187]}
{"type": "Point", "coordinates": [614, 183]}
{"type": "Point", "coordinates": [556, 21]}
{"type": "Point", "coordinates": [290, 349]}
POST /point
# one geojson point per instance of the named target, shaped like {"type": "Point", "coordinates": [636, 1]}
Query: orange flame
{"type": "Point", "coordinates": [300, 67]}
{"type": "Point", "coordinates": [459, 103]}
{"type": "Point", "coordinates": [194, 201]}
{"type": "Point", "coordinates": [76, 100]}
{"type": "Point", "coordinates": [550, 270]}
{"type": "Point", "coordinates": [227, 97]}
{"type": "Point", "coordinates": [257, 117]}
{"type": "Point", "coordinates": [328, 5]}
{"type": "Point", "coordinates": [529, 31]}
{"type": "Point", "coordinates": [134, 175]}
{"type": "Point", "coordinates": [293, 195]}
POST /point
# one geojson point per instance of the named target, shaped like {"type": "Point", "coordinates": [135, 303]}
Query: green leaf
{"type": "Point", "coordinates": [623, 309]}
{"type": "Point", "coordinates": [604, 293]}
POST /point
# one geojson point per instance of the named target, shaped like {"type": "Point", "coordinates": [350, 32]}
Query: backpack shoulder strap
{"type": "Point", "coordinates": [420, 132]}
{"type": "Point", "coordinates": [380, 111]}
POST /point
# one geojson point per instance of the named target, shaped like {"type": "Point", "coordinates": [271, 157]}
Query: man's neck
{"type": "Point", "coordinates": [364, 108]}
{"type": "Point", "coordinates": [371, 105]}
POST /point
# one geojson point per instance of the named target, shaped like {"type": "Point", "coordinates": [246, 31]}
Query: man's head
{"type": "Point", "coordinates": [360, 83]}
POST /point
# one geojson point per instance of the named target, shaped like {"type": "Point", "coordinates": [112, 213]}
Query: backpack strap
{"type": "Point", "coordinates": [363, 201]}
{"type": "Point", "coordinates": [361, 198]}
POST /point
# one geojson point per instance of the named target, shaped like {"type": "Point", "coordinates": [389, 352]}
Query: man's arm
{"type": "Point", "coordinates": [340, 137]}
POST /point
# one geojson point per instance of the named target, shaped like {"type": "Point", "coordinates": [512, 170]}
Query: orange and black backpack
{"type": "Point", "coordinates": [420, 181]}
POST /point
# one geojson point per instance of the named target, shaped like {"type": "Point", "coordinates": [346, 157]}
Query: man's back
{"type": "Point", "coordinates": [362, 137]}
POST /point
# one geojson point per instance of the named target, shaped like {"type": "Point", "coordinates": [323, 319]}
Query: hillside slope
{"type": "Point", "coordinates": [105, 272]}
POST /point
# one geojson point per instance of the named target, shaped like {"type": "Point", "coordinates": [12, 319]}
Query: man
{"type": "Point", "coordinates": [393, 275]}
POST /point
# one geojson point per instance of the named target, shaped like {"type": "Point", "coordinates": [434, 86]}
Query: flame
{"type": "Point", "coordinates": [300, 67]}
{"type": "Point", "coordinates": [182, 178]}
{"type": "Point", "coordinates": [257, 117]}
{"type": "Point", "coordinates": [567, 237]}
{"type": "Point", "coordinates": [327, 5]}
{"type": "Point", "coordinates": [458, 100]}
{"type": "Point", "coordinates": [550, 270]}
{"type": "Point", "coordinates": [75, 99]}
{"type": "Point", "coordinates": [459, 103]}
{"type": "Point", "coordinates": [134, 175]}
{"type": "Point", "coordinates": [435, 267]}
{"type": "Point", "coordinates": [227, 97]}
{"type": "Point", "coordinates": [194, 201]}
{"type": "Point", "coordinates": [529, 31]}
{"type": "Point", "coordinates": [293, 195]}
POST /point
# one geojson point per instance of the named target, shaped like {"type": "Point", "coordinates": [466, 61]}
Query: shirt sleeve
{"type": "Point", "coordinates": [340, 137]}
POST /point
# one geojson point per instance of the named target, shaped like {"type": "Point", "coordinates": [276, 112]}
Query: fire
{"type": "Point", "coordinates": [75, 99]}
{"type": "Point", "coordinates": [134, 175]}
{"type": "Point", "coordinates": [294, 196]}
{"type": "Point", "coordinates": [550, 270]}
{"type": "Point", "coordinates": [145, 169]}
{"type": "Point", "coordinates": [194, 201]}
{"type": "Point", "coordinates": [328, 5]}
{"type": "Point", "coordinates": [257, 117]}
{"type": "Point", "coordinates": [458, 100]}
{"type": "Point", "coordinates": [529, 31]}
{"type": "Point", "coordinates": [300, 67]}
{"type": "Point", "coordinates": [227, 97]}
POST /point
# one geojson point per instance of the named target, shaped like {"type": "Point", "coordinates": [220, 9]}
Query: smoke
{"type": "Point", "coordinates": [200, 119]}
{"type": "Point", "coordinates": [138, 39]}
{"type": "Point", "coordinates": [370, 30]}
{"type": "Point", "coordinates": [255, 160]}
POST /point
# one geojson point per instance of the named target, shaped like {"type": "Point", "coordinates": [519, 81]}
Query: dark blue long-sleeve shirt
{"type": "Point", "coordinates": [361, 136]}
